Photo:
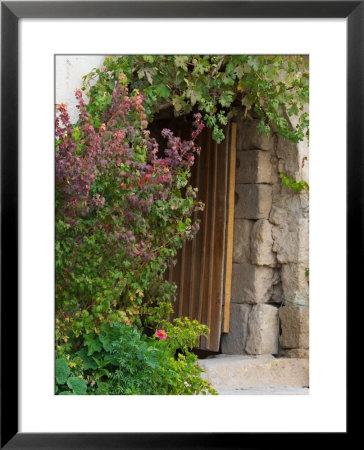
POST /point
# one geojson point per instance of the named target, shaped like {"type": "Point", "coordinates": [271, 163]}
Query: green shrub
{"type": "Point", "coordinates": [123, 361]}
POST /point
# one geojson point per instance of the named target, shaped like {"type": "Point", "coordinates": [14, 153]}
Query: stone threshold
{"type": "Point", "coordinates": [265, 390]}
{"type": "Point", "coordinates": [230, 373]}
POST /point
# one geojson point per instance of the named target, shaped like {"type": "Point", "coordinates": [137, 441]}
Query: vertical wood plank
{"type": "Point", "coordinates": [216, 297]}
{"type": "Point", "coordinates": [196, 254]}
{"type": "Point", "coordinates": [206, 238]}
{"type": "Point", "coordinates": [176, 277]}
{"type": "Point", "coordinates": [230, 231]}
{"type": "Point", "coordinates": [210, 294]}
{"type": "Point", "coordinates": [181, 283]}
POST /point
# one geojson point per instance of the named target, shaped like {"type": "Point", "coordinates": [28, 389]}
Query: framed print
{"type": "Point", "coordinates": [32, 33]}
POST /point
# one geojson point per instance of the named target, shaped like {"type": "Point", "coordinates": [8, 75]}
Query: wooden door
{"type": "Point", "coordinates": [203, 263]}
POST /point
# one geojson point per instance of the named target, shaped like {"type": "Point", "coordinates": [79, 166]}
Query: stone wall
{"type": "Point", "coordinates": [270, 247]}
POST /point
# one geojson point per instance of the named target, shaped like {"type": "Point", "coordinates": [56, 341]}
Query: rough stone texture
{"type": "Point", "coordinates": [289, 214]}
{"type": "Point", "coordinates": [251, 284]}
{"type": "Point", "coordinates": [296, 353]}
{"type": "Point", "coordinates": [291, 242]}
{"type": "Point", "coordinates": [295, 204]}
{"type": "Point", "coordinates": [253, 201]}
{"type": "Point", "coordinates": [253, 166]}
{"type": "Point", "coordinates": [293, 158]}
{"type": "Point", "coordinates": [248, 137]}
{"type": "Point", "coordinates": [295, 283]}
{"type": "Point", "coordinates": [241, 250]}
{"type": "Point", "coordinates": [262, 330]}
{"type": "Point", "coordinates": [265, 390]}
{"type": "Point", "coordinates": [277, 293]}
{"type": "Point", "coordinates": [302, 147]}
{"type": "Point", "coordinates": [294, 324]}
{"type": "Point", "coordinates": [234, 342]}
{"type": "Point", "coordinates": [278, 216]}
{"type": "Point", "coordinates": [274, 264]}
{"type": "Point", "coordinates": [261, 244]}
{"type": "Point", "coordinates": [287, 153]}
{"type": "Point", "coordinates": [240, 371]}
{"type": "Point", "coordinates": [275, 178]}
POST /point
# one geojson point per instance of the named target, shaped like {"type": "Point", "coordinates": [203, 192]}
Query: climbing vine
{"type": "Point", "coordinates": [269, 86]}
{"type": "Point", "coordinates": [296, 186]}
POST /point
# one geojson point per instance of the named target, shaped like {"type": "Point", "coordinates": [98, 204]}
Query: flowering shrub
{"type": "Point", "coordinates": [123, 208]}
{"type": "Point", "coordinates": [121, 360]}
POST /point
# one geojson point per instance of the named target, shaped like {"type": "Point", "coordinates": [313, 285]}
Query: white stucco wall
{"type": "Point", "coordinates": [69, 72]}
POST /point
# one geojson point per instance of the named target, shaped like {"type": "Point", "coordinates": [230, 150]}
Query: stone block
{"type": "Point", "coordinates": [295, 283]}
{"type": "Point", "coordinates": [248, 136]}
{"type": "Point", "coordinates": [277, 293]}
{"type": "Point", "coordinates": [241, 244]}
{"type": "Point", "coordinates": [295, 205]}
{"type": "Point", "coordinates": [289, 159]}
{"type": "Point", "coordinates": [243, 371]}
{"type": "Point", "coordinates": [251, 284]}
{"type": "Point", "coordinates": [253, 201]}
{"type": "Point", "coordinates": [261, 244]}
{"type": "Point", "coordinates": [253, 166]}
{"type": "Point", "coordinates": [278, 216]}
{"type": "Point", "coordinates": [296, 353]}
{"type": "Point", "coordinates": [295, 327]}
{"type": "Point", "coordinates": [291, 242]}
{"type": "Point", "coordinates": [274, 161]}
{"type": "Point", "coordinates": [234, 342]}
{"type": "Point", "coordinates": [262, 330]}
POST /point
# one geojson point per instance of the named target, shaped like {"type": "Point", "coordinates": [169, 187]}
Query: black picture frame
{"type": "Point", "coordinates": [11, 12]}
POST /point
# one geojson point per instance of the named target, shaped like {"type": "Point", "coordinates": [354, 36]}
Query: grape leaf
{"type": "Point", "coordinates": [78, 385]}
{"type": "Point", "coordinates": [92, 343]}
{"type": "Point", "coordinates": [62, 370]}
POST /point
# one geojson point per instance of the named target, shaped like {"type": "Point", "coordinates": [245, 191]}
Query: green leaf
{"type": "Point", "coordinates": [92, 342]}
{"type": "Point", "coordinates": [78, 385]}
{"type": "Point", "coordinates": [62, 370]}
{"type": "Point", "coordinates": [148, 58]}
{"type": "Point", "coordinates": [66, 393]}
{"type": "Point", "coordinates": [194, 94]}
{"type": "Point", "coordinates": [240, 71]}
{"type": "Point", "coordinates": [178, 103]}
{"type": "Point", "coordinates": [163, 90]}
{"type": "Point", "coordinates": [181, 227]}
{"type": "Point", "coordinates": [226, 98]}
{"type": "Point", "coordinates": [180, 61]}
{"type": "Point", "coordinates": [88, 361]}
{"type": "Point", "coordinates": [108, 336]}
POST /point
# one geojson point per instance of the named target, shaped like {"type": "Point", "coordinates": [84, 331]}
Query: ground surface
{"type": "Point", "coordinates": [270, 390]}
{"type": "Point", "coordinates": [256, 375]}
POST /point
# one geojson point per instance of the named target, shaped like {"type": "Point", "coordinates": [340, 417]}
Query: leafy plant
{"type": "Point", "coordinates": [65, 380]}
{"type": "Point", "coordinates": [126, 362]}
{"type": "Point", "coordinates": [268, 85]}
{"type": "Point", "coordinates": [296, 186]}
{"type": "Point", "coordinates": [307, 274]}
